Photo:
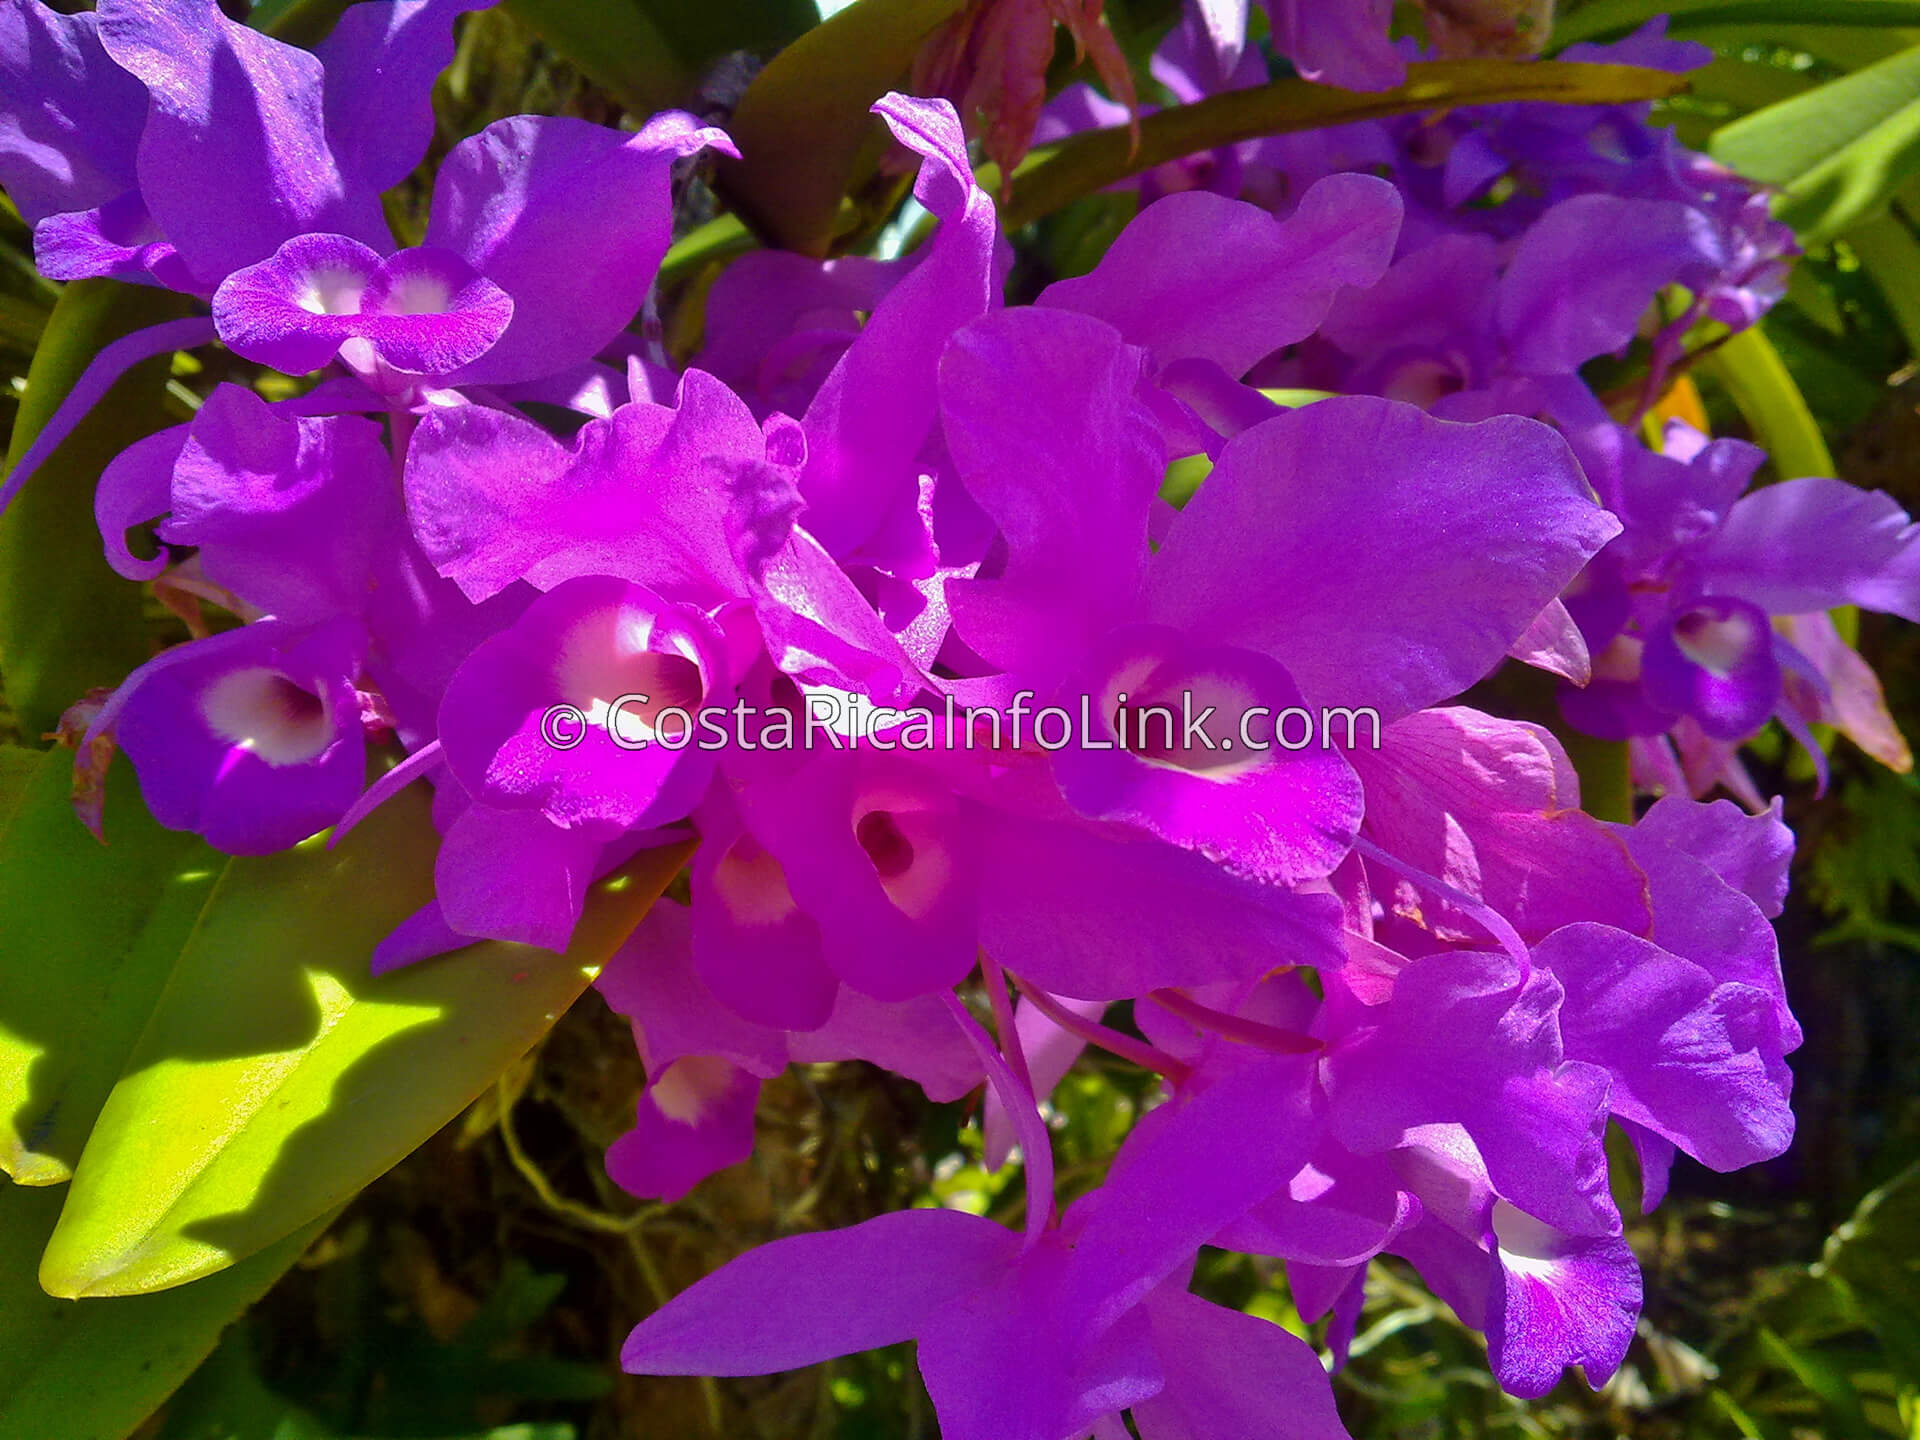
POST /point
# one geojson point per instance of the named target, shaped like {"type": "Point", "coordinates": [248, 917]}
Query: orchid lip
{"type": "Point", "coordinates": [269, 714]}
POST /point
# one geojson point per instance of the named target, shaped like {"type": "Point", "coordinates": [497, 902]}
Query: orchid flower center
{"type": "Point", "coordinates": [267, 713]}
{"type": "Point", "coordinates": [886, 844]}
{"type": "Point", "coordinates": [1152, 725]}
{"type": "Point", "coordinates": [904, 844]}
{"type": "Point", "coordinates": [1716, 640]}
{"type": "Point", "coordinates": [687, 1089]}
{"type": "Point", "coordinates": [1524, 1241]}
{"type": "Point", "coordinates": [332, 290]}
{"type": "Point", "coordinates": [751, 885]}
{"type": "Point", "coordinates": [610, 654]}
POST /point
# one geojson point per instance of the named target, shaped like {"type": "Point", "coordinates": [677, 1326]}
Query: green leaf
{"type": "Point", "coordinates": [650, 56]}
{"type": "Point", "coordinates": [1085, 163]}
{"type": "Point", "coordinates": [1839, 1401]}
{"type": "Point", "coordinates": [804, 122]}
{"type": "Point", "coordinates": [1764, 390]}
{"type": "Point", "coordinates": [1891, 257]}
{"type": "Point", "coordinates": [1614, 19]}
{"type": "Point", "coordinates": [615, 43]}
{"type": "Point", "coordinates": [88, 936]}
{"type": "Point", "coordinates": [67, 622]}
{"type": "Point", "coordinates": [277, 1076]}
{"type": "Point", "coordinates": [1838, 152]}
{"type": "Point", "coordinates": [1875, 1255]}
{"type": "Point", "coordinates": [94, 1371]}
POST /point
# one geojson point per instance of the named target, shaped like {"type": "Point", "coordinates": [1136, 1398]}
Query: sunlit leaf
{"type": "Point", "coordinates": [277, 1077]}
{"type": "Point", "coordinates": [1838, 152]}
{"type": "Point", "coordinates": [88, 933]}
{"type": "Point", "coordinates": [95, 1370]}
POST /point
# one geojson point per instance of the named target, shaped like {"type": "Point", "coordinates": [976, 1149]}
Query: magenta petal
{"type": "Point", "coordinates": [1230, 1374]}
{"type": "Point", "coordinates": [234, 158]}
{"type": "Point", "coordinates": [1185, 769]}
{"type": "Point", "coordinates": [1586, 271]}
{"type": "Point", "coordinates": [753, 945]}
{"type": "Point", "coordinates": [473, 476]}
{"type": "Point", "coordinates": [1467, 1039]}
{"type": "Point", "coordinates": [969, 1349]}
{"type": "Point", "coordinates": [117, 240]}
{"type": "Point", "coordinates": [571, 710]}
{"type": "Point", "coordinates": [914, 1038]}
{"type": "Point", "coordinates": [694, 1120]}
{"type": "Point", "coordinates": [135, 488]}
{"type": "Point", "coordinates": [1099, 912]}
{"type": "Point", "coordinates": [1749, 852]}
{"type": "Point", "coordinates": [1183, 1175]}
{"type": "Point", "coordinates": [511, 875]}
{"type": "Point", "coordinates": [428, 312]}
{"type": "Point", "coordinates": [381, 61]}
{"type": "Point", "coordinates": [1069, 497]}
{"type": "Point", "coordinates": [808, 1298]}
{"type": "Point", "coordinates": [251, 738]}
{"type": "Point", "coordinates": [1558, 1300]}
{"type": "Point", "coordinates": [1339, 42]}
{"type": "Point", "coordinates": [1490, 807]}
{"type": "Point", "coordinates": [1812, 544]}
{"type": "Point", "coordinates": [1386, 558]}
{"type": "Point", "coordinates": [1198, 276]}
{"type": "Point", "coordinates": [568, 218]}
{"type": "Point", "coordinates": [289, 511]}
{"type": "Point", "coordinates": [872, 416]}
{"type": "Point", "coordinates": [1713, 659]}
{"type": "Point", "coordinates": [652, 981]}
{"type": "Point", "coordinates": [293, 310]}
{"type": "Point", "coordinates": [1691, 1060]}
{"type": "Point", "coordinates": [72, 118]}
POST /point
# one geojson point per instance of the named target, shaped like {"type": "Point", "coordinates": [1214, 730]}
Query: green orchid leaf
{"type": "Point", "coordinates": [1838, 152]}
{"type": "Point", "coordinates": [651, 54]}
{"type": "Point", "coordinates": [88, 934]}
{"type": "Point", "coordinates": [1764, 390]}
{"type": "Point", "coordinates": [1615, 19]}
{"type": "Point", "coordinates": [1052, 178]}
{"type": "Point", "coordinates": [1890, 255]}
{"type": "Point", "coordinates": [804, 121]}
{"type": "Point", "coordinates": [67, 622]}
{"type": "Point", "coordinates": [95, 1371]}
{"type": "Point", "coordinates": [1875, 1258]}
{"type": "Point", "coordinates": [278, 1076]}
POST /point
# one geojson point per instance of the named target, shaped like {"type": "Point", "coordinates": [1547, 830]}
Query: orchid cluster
{"type": "Point", "coordinates": [1538, 239]}
{"type": "Point", "coordinates": [1396, 983]}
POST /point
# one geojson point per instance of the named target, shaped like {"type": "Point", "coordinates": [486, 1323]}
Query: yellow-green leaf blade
{"type": "Point", "coordinates": [87, 937]}
{"type": "Point", "coordinates": [277, 1077]}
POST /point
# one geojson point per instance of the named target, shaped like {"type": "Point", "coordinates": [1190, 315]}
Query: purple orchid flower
{"type": "Point", "coordinates": [253, 737]}
{"type": "Point", "coordinates": [1678, 612]}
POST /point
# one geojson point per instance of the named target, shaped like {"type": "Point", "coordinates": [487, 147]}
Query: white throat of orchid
{"type": "Point", "coordinates": [609, 654]}
{"type": "Point", "coordinates": [688, 1089]}
{"type": "Point", "coordinates": [263, 711]}
{"type": "Point", "coordinates": [332, 290]}
{"type": "Point", "coordinates": [1526, 1244]}
{"type": "Point", "coordinates": [1717, 643]}
{"type": "Point", "coordinates": [1150, 722]}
